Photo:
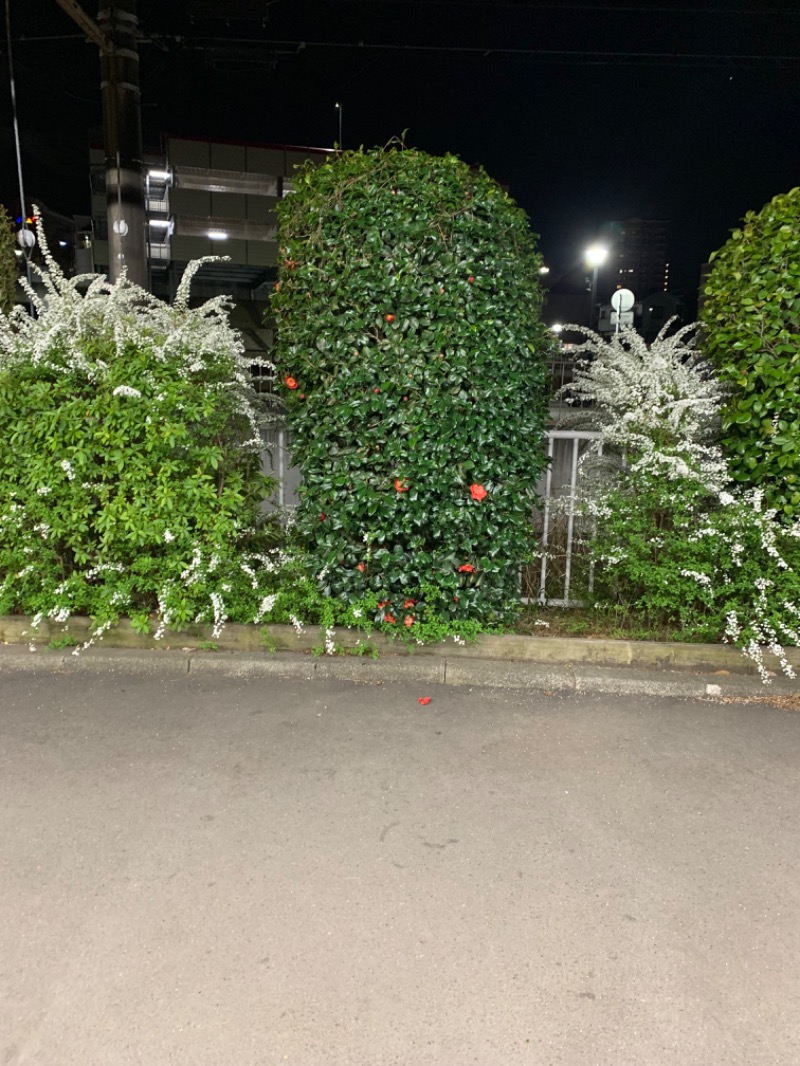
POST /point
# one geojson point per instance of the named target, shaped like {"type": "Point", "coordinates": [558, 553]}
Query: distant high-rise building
{"type": "Point", "coordinates": [638, 256]}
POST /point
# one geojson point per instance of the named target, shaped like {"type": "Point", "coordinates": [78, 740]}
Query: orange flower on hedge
{"type": "Point", "coordinates": [478, 492]}
{"type": "Point", "coordinates": [360, 567]}
{"type": "Point", "coordinates": [390, 619]}
{"type": "Point", "coordinates": [409, 620]}
{"type": "Point", "coordinates": [399, 485]}
{"type": "Point", "coordinates": [290, 383]}
{"type": "Point", "coordinates": [409, 603]}
{"type": "Point", "coordinates": [467, 568]}
{"type": "Point", "coordinates": [382, 604]}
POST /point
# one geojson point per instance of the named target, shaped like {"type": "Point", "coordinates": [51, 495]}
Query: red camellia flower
{"type": "Point", "coordinates": [409, 620]}
{"type": "Point", "coordinates": [322, 518]}
{"type": "Point", "coordinates": [390, 619]}
{"type": "Point", "coordinates": [467, 568]}
{"type": "Point", "coordinates": [290, 383]}
{"type": "Point", "coordinates": [376, 390]}
{"type": "Point", "coordinates": [360, 567]}
{"type": "Point", "coordinates": [470, 279]}
{"type": "Point", "coordinates": [398, 484]}
{"type": "Point", "coordinates": [409, 603]}
{"type": "Point", "coordinates": [382, 604]}
{"type": "Point", "coordinates": [389, 318]}
{"type": "Point", "coordinates": [478, 492]}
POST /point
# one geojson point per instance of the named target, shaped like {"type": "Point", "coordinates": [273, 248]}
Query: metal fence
{"type": "Point", "coordinates": [552, 579]}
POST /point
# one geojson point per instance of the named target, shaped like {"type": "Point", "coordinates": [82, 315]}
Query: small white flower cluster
{"type": "Point", "coordinates": [330, 647]}
{"type": "Point", "coordinates": [220, 616]}
{"type": "Point", "coordinates": [298, 625]}
{"type": "Point", "coordinates": [126, 390]}
{"type": "Point", "coordinates": [701, 579]}
{"type": "Point", "coordinates": [66, 466]}
{"type": "Point", "coordinates": [97, 634]}
{"type": "Point", "coordinates": [264, 608]}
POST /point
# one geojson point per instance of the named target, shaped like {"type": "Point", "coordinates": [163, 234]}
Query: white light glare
{"type": "Point", "coordinates": [159, 175]}
{"type": "Point", "coordinates": [217, 235]}
{"type": "Point", "coordinates": [596, 255]}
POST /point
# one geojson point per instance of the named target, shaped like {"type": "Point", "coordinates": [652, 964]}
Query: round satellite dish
{"type": "Point", "coordinates": [623, 300]}
{"type": "Point", "coordinates": [120, 227]}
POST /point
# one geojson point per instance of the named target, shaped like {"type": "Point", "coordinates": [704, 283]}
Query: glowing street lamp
{"type": "Point", "coordinates": [594, 257]}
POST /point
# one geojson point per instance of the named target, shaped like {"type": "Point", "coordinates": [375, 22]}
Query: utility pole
{"type": "Point", "coordinates": [115, 34]}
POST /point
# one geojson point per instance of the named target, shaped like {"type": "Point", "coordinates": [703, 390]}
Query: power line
{"type": "Point", "coordinates": [205, 43]}
{"type": "Point", "coordinates": [524, 5]}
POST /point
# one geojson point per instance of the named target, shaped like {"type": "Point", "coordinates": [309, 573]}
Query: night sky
{"type": "Point", "coordinates": [589, 111]}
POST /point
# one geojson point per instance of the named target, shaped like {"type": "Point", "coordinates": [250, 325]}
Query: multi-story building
{"type": "Point", "coordinates": [638, 256]}
{"type": "Point", "coordinates": [209, 198]}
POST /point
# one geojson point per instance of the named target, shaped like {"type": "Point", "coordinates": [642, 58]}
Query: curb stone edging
{"type": "Point", "coordinates": [576, 679]}
{"type": "Point", "coordinates": [266, 640]}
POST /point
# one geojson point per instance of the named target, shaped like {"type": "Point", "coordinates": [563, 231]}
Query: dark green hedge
{"type": "Point", "coordinates": [410, 354]}
{"type": "Point", "coordinates": [751, 321]}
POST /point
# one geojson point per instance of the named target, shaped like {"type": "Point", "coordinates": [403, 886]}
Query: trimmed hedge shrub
{"type": "Point", "coordinates": [410, 353]}
{"type": "Point", "coordinates": [751, 320]}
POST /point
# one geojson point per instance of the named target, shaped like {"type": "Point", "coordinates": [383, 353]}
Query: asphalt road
{"type": "Point", "coordinates": [221, 872]}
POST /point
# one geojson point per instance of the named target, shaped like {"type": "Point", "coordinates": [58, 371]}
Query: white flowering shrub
{"type": "Point", "coordinates": [130, 475]}
{"type": "Point", "coordinates": [669, 536]}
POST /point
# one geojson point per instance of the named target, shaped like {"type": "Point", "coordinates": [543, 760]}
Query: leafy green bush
{"type": "Point", "coordinates": [130, 478]}
{"type": "Point", "coordinates": [410, 353]}
{"type": "Point", "coordinates": [670, 539]}
{"type": "Point", "coordinates": [8, 261]}
{"type": "Point", "coordinates": [751, 321]}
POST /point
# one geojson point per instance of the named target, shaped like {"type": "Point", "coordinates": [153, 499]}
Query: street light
{"type": "Point", "coordinates": [594, 256]}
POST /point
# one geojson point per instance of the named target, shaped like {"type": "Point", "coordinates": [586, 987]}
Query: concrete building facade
{"type": "Point", "coordinates": [205, 198]}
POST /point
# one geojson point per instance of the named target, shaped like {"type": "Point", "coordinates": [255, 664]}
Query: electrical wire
{"type": "Point", "coordinates": [13, 87]}
{"type": "Point", "coordinates": [205, 43]}
{"type": "Point", "coordinates": [26, 248]}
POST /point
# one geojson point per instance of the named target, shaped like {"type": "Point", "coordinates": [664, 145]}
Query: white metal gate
{"type": "Point", "coordinates": [551, 580]}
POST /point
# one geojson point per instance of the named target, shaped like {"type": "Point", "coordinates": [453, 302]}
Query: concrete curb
{"type": "Point", "coordinates": [427, 670]}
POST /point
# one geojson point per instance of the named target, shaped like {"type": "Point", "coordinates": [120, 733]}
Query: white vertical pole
{"type": "Point", "coordinates": [571, 518]}
{"type": "Point", "coordinates": [546, 521]}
